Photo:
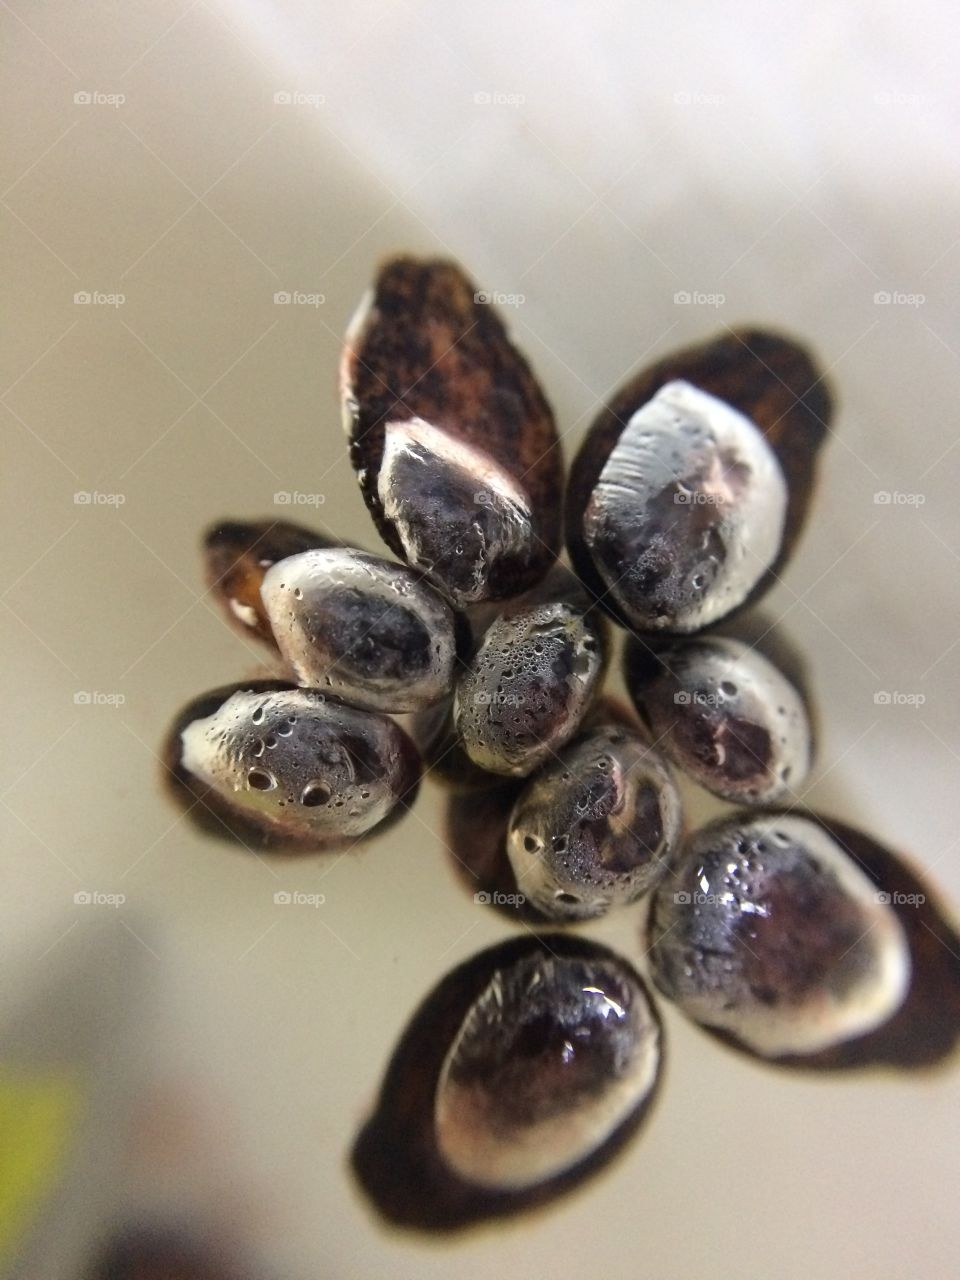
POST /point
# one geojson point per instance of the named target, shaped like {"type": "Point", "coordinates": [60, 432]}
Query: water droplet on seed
{"type": "Point", "coordinates": [315, 793]}
{"type": "Point", "coordinates": [553, 1056]}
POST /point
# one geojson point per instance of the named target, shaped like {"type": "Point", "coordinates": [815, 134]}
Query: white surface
{"type": "Point", "coordinates": [808, 163]}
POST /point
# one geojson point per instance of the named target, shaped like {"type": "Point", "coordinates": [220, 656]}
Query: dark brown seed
{"type": "Point", "coordinates": [523, 1072]}
{"type": "Point", "coordinates": [772, 934]}
{"type": "Point", "coordinates": [597, 827]}
{"type": "Point", "coordinates": [530, 682]}
{"type": "Point", "coordinates": [454, 444]}
{"type": "Point", "coordinates": [724, 715]}
{"type": "Point", "coordinates": [925, 1030]}
{"type": "Point", "coordinates": [553, 1055]}
{"type": "Point", "coordinates": [238, 554]}
{"type": "Point", "coordinates": [767, 378]}
{"type": "Point", "coordinates": [435, 732]}
{"type": "Point", "coordinates": [368, 630]}
{"type": "Point", "coordinates": [287, 769]}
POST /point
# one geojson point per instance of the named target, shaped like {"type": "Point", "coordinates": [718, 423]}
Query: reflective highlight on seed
{"type": "Point", "coordinates": [361, 627]}
{"type": "Point", "coordinates": [552, 1057]}
{"type": "Point", "coordinates": [456, 511]}
{"type": "Point", "coordinates": [453, 442]}
{"type": "Point", "coordinates": [299, 768]}
{"type": "Point", "coordinates": [725, 715]}
{"type": "Point", "coordinates": [688, 513]}
{"type": "Point", "coordinates": [772, 934]}
{"type": "Point", "coordinates": [528, 686]}
{"type": "Point", "coordinates": [596, 828]}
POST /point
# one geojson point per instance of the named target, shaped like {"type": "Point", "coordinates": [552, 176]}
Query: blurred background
{"type": "Point", "coordinates": [195, 195]}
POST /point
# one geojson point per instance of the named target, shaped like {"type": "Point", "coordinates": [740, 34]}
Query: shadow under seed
{"type": "Point", "coordinates": [395, 1157]}
{"type": "Point", "coordinates": [924, 1031]}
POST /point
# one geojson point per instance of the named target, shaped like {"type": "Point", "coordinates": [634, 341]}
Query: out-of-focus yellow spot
{"type": "Point", "coordinates": [38, 1113]}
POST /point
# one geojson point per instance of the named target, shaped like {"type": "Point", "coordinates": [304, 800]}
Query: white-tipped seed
{"type": "Point", "coordinates": [528, 686]}
{"type": "Point", "coordinates": [770, 932]}
{"type": "Point", "coordinates": [361, 627]}
{"type": "Point", "coordinates": [294, 763]}
{"type": "Point", "coordinates": [456, 511]}
{"type": "Point", "coordinates": [688, 513]}
{"type": "Point", "coordinates": [728, 718]}
{"type": "Point", "coordinates": [596, 827]}
{"type": "Point", "coordinates": [551, 1059]}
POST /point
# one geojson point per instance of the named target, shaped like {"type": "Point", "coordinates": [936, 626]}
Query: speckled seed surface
{"type": "Point", "coordinates": [298, 763]}
{"type": "Point", "coordinates": [727, 717]}
{"type": "Point", "coordinates": [364, 629]}
{"type": "Point", "coordinates": [528, 686]}
{"type": "Point", "coordinates": [688, 512]}
{"type": "Point", "coordinates": [551, 1058]}
{"type": "Point", "coordinates": [597, 827]}
{"type": "Point", "coordinates": [771, 933]}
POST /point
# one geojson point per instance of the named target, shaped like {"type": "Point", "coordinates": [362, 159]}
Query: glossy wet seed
{"type": "Point", "coordinates": [726, 716]}
{"type": "Point", "coordinates": [596, 828]}
{"type": "Point", "coordinates": [767, 378]}
{"type": "Point", "coordinates": [519, 1076]}
{"type": "Point", "coordinates": [770, 933]}
{"type": "Point", "coordinates": [528, 686]}
{"type": "Point", "coordinates": [688, 512]}
{"type": "Point", "coordinates": [365, 629]}
{"type": "Point", "coordinates": [551, 1058]}
{"type": "Point", "coordinates": [454, 444]}
{"type": "Point", "coordinates": [297, 769]}
{"type": "Point", "coordinates": [796, 939]}
{"type": "Point", "coordinates": [459, 517]}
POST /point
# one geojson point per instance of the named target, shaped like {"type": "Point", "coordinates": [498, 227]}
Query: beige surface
{"type": "Point", "coordinates": [797, 161]}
